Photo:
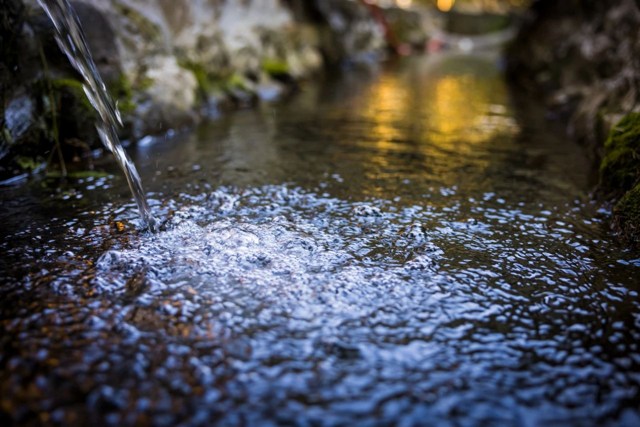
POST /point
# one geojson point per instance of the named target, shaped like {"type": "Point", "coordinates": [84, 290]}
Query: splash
{"type": "Point", "coordinates": [72, 42]}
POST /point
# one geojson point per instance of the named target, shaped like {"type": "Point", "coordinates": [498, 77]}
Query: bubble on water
{"type": "Point", "coordinates": [367, 211]}
{"type": "Point", "coordinates": [278, 245]}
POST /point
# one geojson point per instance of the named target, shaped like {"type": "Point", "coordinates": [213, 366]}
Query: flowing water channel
{"type": "Point", "coordinates": [408, 245]}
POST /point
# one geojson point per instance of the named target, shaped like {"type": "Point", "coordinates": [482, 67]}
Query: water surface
{"type": "Point", "coordinates": [406, 245]}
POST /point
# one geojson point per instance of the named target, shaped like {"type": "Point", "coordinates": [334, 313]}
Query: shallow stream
{"type": "Point", "coordinates": [406, 245]}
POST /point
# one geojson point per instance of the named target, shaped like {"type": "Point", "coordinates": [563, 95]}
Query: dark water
{"type": "Point", "coordinates": [399, 246]}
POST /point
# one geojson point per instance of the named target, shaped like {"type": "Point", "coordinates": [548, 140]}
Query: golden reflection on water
{"type": "Point", "coordinates": [452, 106]}
{"type": "Point", "coordinates": [386, 104]}
{"type": "Point", "coordinates": [464, 109]}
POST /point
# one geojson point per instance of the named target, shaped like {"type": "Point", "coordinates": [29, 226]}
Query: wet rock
{"type": "Point", "coordinates": [17, 111]}
{"type": "Point", "coordinates": [350, 32]}
{"type": "Point", "coordinates": [66, 103]}
{"type": "Point", "coordinates": [18, 118]}
{"type": "Point", "coordinates": [102, 39]}
{"type": "Point", "coordinates": [43, 103]}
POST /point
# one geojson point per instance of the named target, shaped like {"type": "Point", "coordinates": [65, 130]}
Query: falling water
{"type": "Point", "coordinates": [71, 40]}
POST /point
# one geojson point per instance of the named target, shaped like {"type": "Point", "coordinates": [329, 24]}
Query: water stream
{"type": "Point", "coordinates": [71, 40]}
{"type": "Point", "coordinates": [408, 245]}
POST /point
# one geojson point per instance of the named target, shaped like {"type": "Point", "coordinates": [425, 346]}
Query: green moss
{"type": "Point", "coordinates": [5, 137]}
{"type": "Point", "coordinates": [210, 83]}
{"type": "Point", "coordinates": [627, 215]}
{"type": "Point", "coordinates": [236, 82]}
{"type": "Point", "coordinates": [620, 167]}
{"type": "Point", "coordinates": [66, 111]}
{"type": "Point", "coordinates": [28, 163]}
{"type": "Point", "coordinates": [144, 83]}
{"type": "Point", "coordinates": [275, 67]}
{"type": "Point", "coordinates": [73, 88]}
{"type": "Point", "coordinates": [121, 91]}
{"type": "Point", "coordinates": [142, 24]}
{"type": "Point", "coordinates": [205, 80]}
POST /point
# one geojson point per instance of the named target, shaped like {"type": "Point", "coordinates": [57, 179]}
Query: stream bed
{"type": "Point", "coordinates": [406, 245]}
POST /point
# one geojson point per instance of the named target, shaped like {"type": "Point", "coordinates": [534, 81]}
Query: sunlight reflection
{"type": "Point", "coordinates": [388, 106]}
{"type": "Point", "coordinates": [462, 110]}
{"type": "Point", "coordinates": [445, 5]}
{"type": "Point", "coordinates": [387, 102]}
{"type": "Point", "coordinates": [454, 105]}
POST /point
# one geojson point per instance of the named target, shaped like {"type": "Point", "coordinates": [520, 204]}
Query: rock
{"type": "Point", "coordinates": [620, 166]}
{"type": "Point", "coordinates": [350, 32]}
{"type": "Point", "coordinates": [407, 26]}
{"type": "Point", "coordinates": [627, 216]}
{"type": "Point", "coordinates": [168, 100]}
{"type": "Point", "coordinates": [18, 118]}
{"type": "Point", "coordinates": [19, 125]}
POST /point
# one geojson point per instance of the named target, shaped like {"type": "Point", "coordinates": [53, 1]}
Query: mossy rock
{"type": "Point", "coordinates": [627, 215]}
{"type": "Point", "coordinates": [67, 116]}
{"type": "Point", "coordinates": [237, 82]}
{"type": "Point", "coordinates": [275, 67]}
{"type": "Point", "coordinates": [73, 104]}
{"type": "Point", "coordinates": [620, 167]}
{"type": "Point", "coordinates": [72, 88]}
{"type": "Point", "coordinates": [215, 84]}
{"type": "Point", "coordinates": [206, 80]}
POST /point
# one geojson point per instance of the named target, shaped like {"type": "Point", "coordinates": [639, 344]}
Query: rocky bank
{"type": "Point", "coordinates": [170, 63]}
{"type": "Point", "coordinates": [583, 56]}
